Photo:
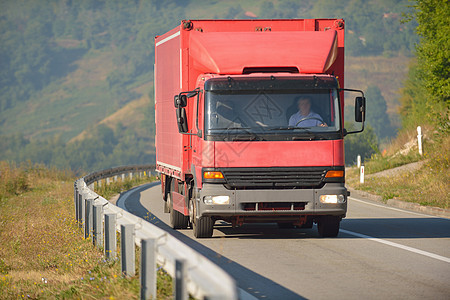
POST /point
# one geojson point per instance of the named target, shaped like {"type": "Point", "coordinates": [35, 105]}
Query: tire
{"type": "Point", "coordinates": [177, 219]}
{"type": "Point", "coordinates": [328, 226]}
{"type": "Point", "coordinates": [203, 227]}
{"type": "Point", "coordinates": [285, 225]}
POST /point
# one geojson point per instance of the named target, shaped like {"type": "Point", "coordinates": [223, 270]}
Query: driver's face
{"type": "Point", "coordinates": [304, 105]}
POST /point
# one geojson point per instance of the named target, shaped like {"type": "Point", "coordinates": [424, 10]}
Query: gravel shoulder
{"type": "Point", "coordinates": [394, 171]}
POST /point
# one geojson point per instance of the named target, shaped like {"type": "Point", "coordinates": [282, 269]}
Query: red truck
{"type": "Point", "coordinates": [250, 123]}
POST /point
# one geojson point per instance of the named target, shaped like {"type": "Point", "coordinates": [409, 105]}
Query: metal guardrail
{"type": "Point", "coordinates": [100, 219]}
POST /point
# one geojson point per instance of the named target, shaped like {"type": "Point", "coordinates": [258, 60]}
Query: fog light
{"type": "Point", "coordinates": [332, 199]}
{"type": "Point", "coordinates": [216, 200]}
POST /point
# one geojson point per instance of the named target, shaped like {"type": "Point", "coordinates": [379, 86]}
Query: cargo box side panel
{"type": "Point", "coordinates": [169, 148]}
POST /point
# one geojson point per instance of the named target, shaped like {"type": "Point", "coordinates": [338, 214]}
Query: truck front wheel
{"type": "Point", "coordinates": [328, 226]}
{"type": "Point", "coordinates": [202, 226]}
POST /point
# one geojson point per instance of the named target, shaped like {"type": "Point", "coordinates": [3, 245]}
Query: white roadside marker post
{"type": "Point", "coordinates": [361, 175]}
{"type": "Point", "coordinates": [419, 139]}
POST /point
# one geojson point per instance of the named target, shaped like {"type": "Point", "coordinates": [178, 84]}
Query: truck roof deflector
{"type": "Point", "coordinates": [315, 51]}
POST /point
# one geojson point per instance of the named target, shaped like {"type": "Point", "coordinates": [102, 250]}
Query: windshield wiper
{"type": "Point", "coordinates": [289, 128]}
{"type": "Point", "coordinates": [230, 128]}
{"type": "Point", "coordinates": [305, 137]}
{"type": "Point", "coordinates": [246, 138]}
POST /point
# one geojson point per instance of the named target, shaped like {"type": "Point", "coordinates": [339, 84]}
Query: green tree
{"type": "Point", "coordinates": [364, 144]}
{"type": "Point", "coordinates": [433, 52]}
{"type": "Point", "coordinates": [414, 108]}
{"type": "Point", "coordinates": [377, 116]}
{"type": "Point", "coordinates": [427, 90]}
{"type": "Point", "coordinates": [267, 10]}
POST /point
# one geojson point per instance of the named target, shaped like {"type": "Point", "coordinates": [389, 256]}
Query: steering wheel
{"type": "Point", "coordinates": [309, 118]}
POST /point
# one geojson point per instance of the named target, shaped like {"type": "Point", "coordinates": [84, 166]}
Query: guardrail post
{"type": "Point", "coordinates": [110, 236]}
{"type": "Point", "coordinates": [123, 177]}
{"type": "Point", "coordinates": [127, 249]}
{"type": "Point", "coordinates": [180, 288]}
{"type": "Point", "coordinates": [88, 219]}
{"type": "Point", "coordinates": [107, 181]}
{"type": "Point", "coordinates": [98, 230]}
{"type": "Point", "coordinates": [131, 175]}
{"type": "Point", "coordinates": [214, 297]}
{"type": "Point", "coordinates": [148, 269]}
{"type": "Point", "coordinates": [115, 178]}
{"type": "Point", "coordinates": [80, 210]}
{"type": "Point", "coordinates": [75, 200]}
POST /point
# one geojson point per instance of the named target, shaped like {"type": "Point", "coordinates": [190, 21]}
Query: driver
{"type": "Point", "coordinates": [305, 117]}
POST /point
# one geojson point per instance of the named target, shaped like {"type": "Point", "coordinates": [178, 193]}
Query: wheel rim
{"type": "Point", "coordinates": [169, 202]}
{"type": "Point", "coordinates": [191, 211]}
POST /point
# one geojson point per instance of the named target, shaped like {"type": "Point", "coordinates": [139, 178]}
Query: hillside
{"type": "Point", "coordinates": [387, 73]}
{"type": "Point", "coordinates": [130, 116]}
{"type": "Point", "coordinates": [66, 105]}
{"type": "Point", "coordinates": [93, 75]}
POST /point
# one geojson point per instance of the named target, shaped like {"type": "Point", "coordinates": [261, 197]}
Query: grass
{"type": "Point", "coordinates": [43, 254]}
{"type": "Point", "coordinates": [428, 185]}
{"type": "Point", "coordinates": [114, 188]}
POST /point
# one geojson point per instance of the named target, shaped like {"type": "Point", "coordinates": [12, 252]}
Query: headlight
{"type": "Point", "coordinates": [216, 200]}
{"type": "Point", "coordinates": [332, 199]}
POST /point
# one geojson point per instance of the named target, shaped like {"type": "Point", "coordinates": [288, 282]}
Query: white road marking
{"type": "Point", "coordinates": [393, 208]}
{"type": "Point", "coordinates": [414, 250]}
{"type": "Point", "coordinates": [243, 295]}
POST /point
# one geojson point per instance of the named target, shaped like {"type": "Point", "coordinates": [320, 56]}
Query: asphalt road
{"type": "Point", "coordinates": [380, 253]}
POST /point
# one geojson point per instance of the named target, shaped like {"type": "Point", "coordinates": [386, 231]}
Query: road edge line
{"type": "Point", "coordinates": [392, 244]}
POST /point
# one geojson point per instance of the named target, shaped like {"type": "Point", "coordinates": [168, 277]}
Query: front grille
{"type": "Point", "coordinates": [311, 177]}
{"type": "Point", "coordinates": [273, 206]}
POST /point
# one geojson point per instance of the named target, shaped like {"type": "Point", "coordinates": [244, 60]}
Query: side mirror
{"type": "Point", "coordinates": [180, 100]}
{"type": "Point", "coordinates": [182, 120]}
{"type": "Point", "coordinates": [360, 109]}
{"type": "Point", "coordinates": [192, 93]}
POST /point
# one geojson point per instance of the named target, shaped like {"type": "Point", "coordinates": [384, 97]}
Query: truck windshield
{"type": "Point", "coordinates": [272, 115]}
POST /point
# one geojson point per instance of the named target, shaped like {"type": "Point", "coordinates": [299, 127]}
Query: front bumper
{"type": "Point", "coordinates": [270, 202]}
